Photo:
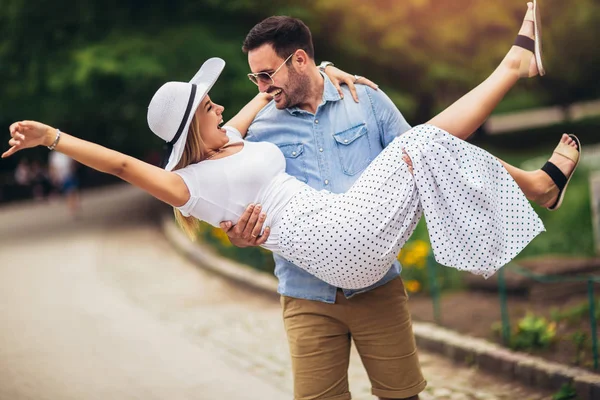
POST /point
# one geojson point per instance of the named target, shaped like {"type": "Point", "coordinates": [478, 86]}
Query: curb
{"type": "Point", "coordinates": [487, 356]}
{"type": "Point", "coordinates": [205, 257]}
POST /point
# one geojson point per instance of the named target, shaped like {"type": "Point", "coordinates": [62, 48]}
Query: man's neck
{"type": "Point", "coordinates": [314, 96]}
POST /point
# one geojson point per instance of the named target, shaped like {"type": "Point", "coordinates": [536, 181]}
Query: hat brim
{"type": "Point", "coordinates": [204, 80]}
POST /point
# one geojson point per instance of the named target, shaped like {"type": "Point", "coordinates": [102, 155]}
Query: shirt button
{"type": "Point", "coordinates": [316, 121]}
{"type": "Point", "coordinates": [326, 182]}
{"type": "Point", "coordinates": [321, 149]}
{"type": "Point", "coordinates": [345, 140]}
{"type": "Point", "coordinates": [293, 153]}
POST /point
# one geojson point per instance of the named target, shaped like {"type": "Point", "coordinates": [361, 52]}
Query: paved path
{"type": "Point", "coordinates": [103, 308]}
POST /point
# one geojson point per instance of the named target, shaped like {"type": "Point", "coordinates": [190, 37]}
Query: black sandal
{"type": "Point", "coordinates": [559, 179]}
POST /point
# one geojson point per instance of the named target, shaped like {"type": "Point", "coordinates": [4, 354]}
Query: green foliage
{"type": "Point", "coordinates": [566, 392]}
{"type": "Point", "coordinates": [256, 257]}
{"type": "Point", "coordinates": [437, 50]}
{"type": "Point", "coordinates": [91, 67]}
{"type": "Point", "coordinates": [575, 315]}
{"type": "Point", "coordinates": [533, 332]}
{"type": "Point", "coordinates": [580, 339]}
{"type": "Point", "coordinates": [570, 231]}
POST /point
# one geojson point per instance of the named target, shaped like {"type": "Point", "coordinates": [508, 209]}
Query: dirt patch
{"type": "Point", "coordinates": [475, 312]}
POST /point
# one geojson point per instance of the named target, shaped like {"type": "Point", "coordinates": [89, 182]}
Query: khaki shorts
{"type": "Point", "coordinates": [378, 321]}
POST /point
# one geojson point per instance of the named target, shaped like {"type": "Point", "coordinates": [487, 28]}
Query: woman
{"type": "Point", "coordinates": [477, 214]}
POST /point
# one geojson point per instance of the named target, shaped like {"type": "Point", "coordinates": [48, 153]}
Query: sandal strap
{"type": "Point", "coordinates": [559, 179]}
{"type": "Point", "coordinates": [567, 151]}
{"type": "Point", "coordinates": [525, 42]}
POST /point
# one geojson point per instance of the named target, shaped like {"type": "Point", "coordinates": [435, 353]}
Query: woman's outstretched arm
{"type": "Point", "coordinates": [164, 185]}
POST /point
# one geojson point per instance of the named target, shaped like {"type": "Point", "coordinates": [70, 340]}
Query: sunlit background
{"type": "Point", "coordinates": [91, 67]}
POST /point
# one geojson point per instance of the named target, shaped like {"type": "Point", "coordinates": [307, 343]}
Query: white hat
{"type": "Point", "coordinates": [173, 106]}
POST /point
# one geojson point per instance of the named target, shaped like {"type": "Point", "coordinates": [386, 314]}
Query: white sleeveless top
{"type": "Point", "coordinates": [222, 188]}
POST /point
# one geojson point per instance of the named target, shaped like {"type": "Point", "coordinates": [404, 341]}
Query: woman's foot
{"type": "Point", "coordinates": [546, 190]}
{"type": "Point", "coordinates": [518, 55]}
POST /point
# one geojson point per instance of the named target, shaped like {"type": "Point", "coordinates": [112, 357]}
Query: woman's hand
{"type": "Point", "coordinates": [337, 77]}
{"type": "Point", "coordinates": [27, 134]}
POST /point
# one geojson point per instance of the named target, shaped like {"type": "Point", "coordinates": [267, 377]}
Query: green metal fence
{"type": "Point", "coordinates": [432, 267]}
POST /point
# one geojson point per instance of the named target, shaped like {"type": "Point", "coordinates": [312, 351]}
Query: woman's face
{"type": "Point", "coordinates": [210, 118]}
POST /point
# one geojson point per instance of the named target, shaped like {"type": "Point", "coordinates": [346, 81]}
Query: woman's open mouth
{"type": "Point", "coordinates": [220, 126]}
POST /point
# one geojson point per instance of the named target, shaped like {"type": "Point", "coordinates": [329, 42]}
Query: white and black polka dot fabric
{"type": "Point", "coordinates": [477, 217]}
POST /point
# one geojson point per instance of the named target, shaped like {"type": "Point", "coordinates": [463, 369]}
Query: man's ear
{"type": "Point", "coordinates": [302, 61]}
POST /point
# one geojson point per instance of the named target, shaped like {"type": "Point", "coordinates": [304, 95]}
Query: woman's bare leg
{"type": "Point", "coordinates": [468, 113]}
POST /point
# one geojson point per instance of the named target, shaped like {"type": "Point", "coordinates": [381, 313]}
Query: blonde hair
{"type": "Point", "coordinates": [193, 152]}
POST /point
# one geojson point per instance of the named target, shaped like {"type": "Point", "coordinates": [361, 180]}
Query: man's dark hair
{"type": "Point", "coordinates": [285, 34]}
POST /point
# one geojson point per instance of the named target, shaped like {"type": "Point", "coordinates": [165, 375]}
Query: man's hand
{"type": "Point", "coordinates": [337, 77]}
{"type": "Point", "coordinates": [407, 160]}
{"type": "Point", "coordinates": [246, 233]}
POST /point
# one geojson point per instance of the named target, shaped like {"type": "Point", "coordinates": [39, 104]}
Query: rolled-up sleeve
{"type": "Point", "coordinates": [188, 178]}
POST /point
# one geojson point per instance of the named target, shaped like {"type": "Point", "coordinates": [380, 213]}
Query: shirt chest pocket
{"type": "Point", "coordinates": [294, 160]}
{"type": "Point", "coordinates": [353, 148]}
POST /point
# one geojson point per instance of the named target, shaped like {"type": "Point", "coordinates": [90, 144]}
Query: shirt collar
{"type": "Point", "coordinates": [330, 93]}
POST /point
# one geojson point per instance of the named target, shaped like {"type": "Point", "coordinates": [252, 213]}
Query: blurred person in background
{"type": "Point", "coordinates": [21, 189]}
{"type": "Point", "coordinates": [40, 181]}
{"type": "Point", "coordinates": [23, 173]}
{"type": "Point", "coordinates": [63, 176]}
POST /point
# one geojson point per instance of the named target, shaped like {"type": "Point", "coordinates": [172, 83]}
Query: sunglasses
{"type": "Point", "coordinates": [265, 77]}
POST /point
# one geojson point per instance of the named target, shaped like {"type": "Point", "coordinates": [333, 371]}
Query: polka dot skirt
{"type": "Point", "coordinates": [477, 217]}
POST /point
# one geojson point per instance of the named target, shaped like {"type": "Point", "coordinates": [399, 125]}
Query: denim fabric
{"type": "Point", "coordinates": [328, 150]}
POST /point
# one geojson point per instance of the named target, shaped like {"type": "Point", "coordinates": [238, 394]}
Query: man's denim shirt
{"type": "Point", "coordinates": [328, 150]}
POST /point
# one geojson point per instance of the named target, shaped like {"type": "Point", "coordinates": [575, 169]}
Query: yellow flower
{"type": "Point", "coordinates": [221, 236]}
{"type": "Point", "coordinates": [414, 254]}
{"type": "Point", "coordinates": [412, 286]}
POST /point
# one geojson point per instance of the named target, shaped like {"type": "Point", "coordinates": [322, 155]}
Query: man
{"type": "Point", "coordinates": [327, 141]}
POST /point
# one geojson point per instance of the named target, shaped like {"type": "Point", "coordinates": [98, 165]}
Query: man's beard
{"type": "Point", "coordinates": [297, 90]}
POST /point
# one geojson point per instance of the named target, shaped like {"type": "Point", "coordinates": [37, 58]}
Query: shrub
{"type": "Point", "coordinates": [580, 340]}
{"type": "Point", "coordinates": [566, 392]}
{"type": "Point", "coordinates": [533, 333]}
